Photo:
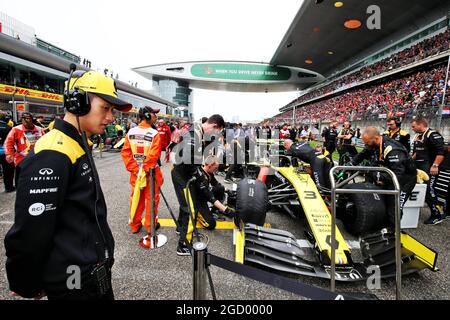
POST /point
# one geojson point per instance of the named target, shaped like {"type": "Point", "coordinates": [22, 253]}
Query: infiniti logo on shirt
{"type": "Point", "coordinates": [45, 171]}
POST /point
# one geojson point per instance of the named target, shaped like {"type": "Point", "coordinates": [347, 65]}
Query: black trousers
{"type": "Point", "coordinates": [179, 184]}
{"type": "Point", "coordinates": [431, 198]}
{"type": "Point", "coordinates": [330, 148]}
{"type": "Point", "coordinates": [8, 173]}
{"type": "Point", "coordinates": [235, 166]}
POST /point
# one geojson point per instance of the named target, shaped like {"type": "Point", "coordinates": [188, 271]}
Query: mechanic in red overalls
{"type": "Point", "coordinates": [20, 141]}
{"type": "Point", "coordinates": [164, 133]}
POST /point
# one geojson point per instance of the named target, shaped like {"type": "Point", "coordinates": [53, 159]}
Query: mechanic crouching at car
{"type": "Point", "coordinates": [208, 189]}
{"type": "Point", "coordinates": [392, 155]}
{"type": "Point", "coordinates": [320, 164]}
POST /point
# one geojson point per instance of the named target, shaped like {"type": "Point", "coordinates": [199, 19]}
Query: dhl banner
{"type": "Point", "coordinates": [8, 89]}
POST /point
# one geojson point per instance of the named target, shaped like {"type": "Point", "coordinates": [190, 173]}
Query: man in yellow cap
{"type": "Point", "coordinates": [60, 244]}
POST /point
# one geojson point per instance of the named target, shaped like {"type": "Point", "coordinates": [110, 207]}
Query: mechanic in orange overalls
{"type": "Point", "coordinates": [140, 153]}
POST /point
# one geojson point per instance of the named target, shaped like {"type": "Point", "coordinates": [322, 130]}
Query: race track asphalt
{"type": "Point", "coordinates": [162, 275]}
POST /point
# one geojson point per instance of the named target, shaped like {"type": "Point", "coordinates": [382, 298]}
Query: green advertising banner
{"type": "Point", "coordinates": [240, 72]}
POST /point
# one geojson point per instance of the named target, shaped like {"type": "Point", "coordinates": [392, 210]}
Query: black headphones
{"type": "Point", "coordinates": [76, 101]}
{"type": "Point", "coordinates": [398, 121]}
{"type": "Point", "coordinates": [144, 113]}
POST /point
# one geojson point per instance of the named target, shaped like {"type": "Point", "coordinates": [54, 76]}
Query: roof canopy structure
{"type": "Point", "coordinates": [326, 34]}
{"type": "Point", "coordinates": [234, 75]}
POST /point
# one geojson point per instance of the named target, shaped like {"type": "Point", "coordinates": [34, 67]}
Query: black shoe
{"type": "Point", "coordinates": [10, 190]}
{"type": "Point", "coordinates": [433, 220]}
{"type": "Point", "coordinates": [158, 225]}
{"type": "Point", "coordinates": [183, 250]}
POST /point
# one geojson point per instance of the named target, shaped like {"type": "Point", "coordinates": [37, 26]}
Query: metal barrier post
{"type": "Point", "coordinates": [398, 248]}
{"type": "Point", "coordinates": [156, 240]}
{"type": "Point", "coordinates": [152, 202]}
{"type": "Point", "coordinates": [199, 267]}
{"type": "Point", "coordinates": [336, 189]}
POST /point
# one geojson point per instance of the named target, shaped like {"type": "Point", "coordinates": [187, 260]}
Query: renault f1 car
{"type": "Point", "coordinates": [290, 187]}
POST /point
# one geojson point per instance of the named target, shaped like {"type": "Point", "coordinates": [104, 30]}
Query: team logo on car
{"type": "Point", "coordinates": [45, 171]}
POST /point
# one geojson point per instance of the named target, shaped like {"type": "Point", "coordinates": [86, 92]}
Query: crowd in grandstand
{"type": "Point", "coordinates": [419, 51]}
{"type": "Point", "coordinates": [408, 96]}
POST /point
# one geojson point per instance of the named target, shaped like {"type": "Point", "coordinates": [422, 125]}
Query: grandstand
{"type": "Point", "coordinates": [403, 74]}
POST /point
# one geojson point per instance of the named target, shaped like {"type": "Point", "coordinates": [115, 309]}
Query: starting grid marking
{"type": "Point", "coordinates": [220, 225]}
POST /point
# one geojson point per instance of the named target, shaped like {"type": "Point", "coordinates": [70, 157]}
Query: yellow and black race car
{"type": "Point", "coordinates": [290, 185]}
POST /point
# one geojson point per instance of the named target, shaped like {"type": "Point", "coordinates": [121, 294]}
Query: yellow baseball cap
{"type": "Point", "coordinates": [100, 85]}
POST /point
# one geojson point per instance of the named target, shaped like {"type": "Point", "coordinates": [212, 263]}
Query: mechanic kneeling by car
{"type": "Point", "coordinates": [208, 189]}
{"type": "Point", "coordinates": [392, 155]}
{"type": "Point", "coordinates": [320, 164]}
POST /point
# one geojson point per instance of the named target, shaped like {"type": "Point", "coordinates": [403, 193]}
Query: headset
{"type": "Point", "coordinates": [76, 101]}
{"type": "Point", "coordinates": [144, 113]}
{"type": "Point", "coordinates": [398, 121]}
